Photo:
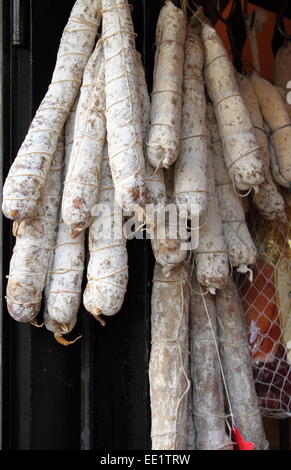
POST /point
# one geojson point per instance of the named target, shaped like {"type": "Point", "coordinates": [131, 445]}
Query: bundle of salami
{"type": "Point", "coordinates": [99, 149]}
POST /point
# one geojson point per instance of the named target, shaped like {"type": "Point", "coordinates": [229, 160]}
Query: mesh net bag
{"type": "Point", "coordinates": [267, 301]}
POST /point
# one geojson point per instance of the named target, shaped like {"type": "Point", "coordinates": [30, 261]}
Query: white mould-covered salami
{"type": "Point", "coordinates": [28, 172]}
{"type": "Point", "coordinates": [208, 395]}
{"type": "Point", "coordinates": [241, 248]}
{"type": "Point", "coordinates": [33, 250]}
{"type": "Point", "coordinates": [123, 108]}
{"type": "Point", "coordinates": [64, 280]}
{"type": "Point", "coordinates": [211, 257]}
{"type": "Point", "coordinates": [154, 179]}
{"type": "Point", "coordinates": [242, 154]}
{"type": "Point", "coordinates": [107, 269]}
{"type": "Point", "coordinates": [274, 166]}
{"type": "Point", "coordinates": [235, 357]}
{"type": "Point", "coordinates": [168, 367]}
{"type": "Point", "coordinates": [167, 242]}
{"type": "Point", "coordinates": [83, 176]}
{"type": "Point", "coordinates": [168, 251]}
{"type": "Point", "coordinates": [277, 118]}
{"type": "Point", "coordinates": [268, 199]}
{"type": "Point", "coordinates": [165, 122]}
{"type": "Point", "coordinates": [190, 170]}
{"type": "Point", "coordinates": [156, 185]}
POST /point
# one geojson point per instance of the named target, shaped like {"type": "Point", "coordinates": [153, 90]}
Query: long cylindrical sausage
{"type": "Point", "coordinates": [208, 397]}
{"type": "Point", "coordinates": [63, 284]}
{"type": "Point", "coordinates": [168, 367]}
{"type": "Point", "coordinates": [165, 123]}
{"type": "Point", "coordinates": [190, 170]}
{"type": "Point", "coordinates": [29, 170]}
{"type": "Point", "coordinates": [236, 365]}
{"type": "Point", "coordinates": [242, 154]}
{"type": "Point", "coordinates": [123, 108]}
{"type": "Point", "coordinates": [107, 272]}
{"type": "Point", "coordinates": [83, 175]}
{"type": "Point", "coordinates": [33, 250]}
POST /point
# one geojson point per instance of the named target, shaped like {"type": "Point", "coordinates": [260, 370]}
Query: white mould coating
{"type": "Point", "coordinates": [211, 259]}
{"type": "Point", "coordinates": [241, 248]}
{"type": "Point", "coordinates": [167, 250]}
{"type": "Point", "coordinates": [154, 179]}
{"type": "Point", "coordinates": [276, 116]}
{"type": "Point", "coordinates": [33, 250]}
{"type": "Point", "coordinates": [123, 108]}
{"type": "Point", "coordinates": [28, 172]}
{"type": "Point", "coordinates": [64, 280]}
{"type": "Point", "coordinates": [163, 144]}
{"type": "Point", "coordinates": [242, 154]}
{"type": "Point", "coordinates": [168, 367]}
{"type": "Point", "coordinates": [107, 269]}
{"type": "Point", "coordinates": [268, 200]}
{"type": "Point", "coordinates": [275, 169]}
{"type": "Point", "coordinates": [83, 176]}
{"type": "Point", "coordinates": [190, 169]}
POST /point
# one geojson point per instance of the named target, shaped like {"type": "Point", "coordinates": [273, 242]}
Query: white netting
{"type": "Point", "coordinates": [267, 302]}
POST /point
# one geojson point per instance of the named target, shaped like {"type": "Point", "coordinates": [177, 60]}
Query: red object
{"type": "Point", "coordinates": [241, 444]}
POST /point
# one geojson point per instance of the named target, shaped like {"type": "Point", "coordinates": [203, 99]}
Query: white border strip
{"type": "Point", "coordinates": [1, 182]}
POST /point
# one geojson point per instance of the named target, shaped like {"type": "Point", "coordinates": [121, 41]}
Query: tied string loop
{"type": "Point", "coordinates": [216, 58]}
{"type": "Point", "coordinates": [63, 291]}
{"type": "Point", "coordinates": [214, 252]}
{"type": "Point", "coordinates": [80, 140]}
{"type": "Point", "coordinates": [125, 6]}
{"type": "Point", "coordinates": [168, 41]}
{"type": "Point", "coordinates": [155, 92]}
{"type": "Point", "coordinates": [120, 31]}
{"type": "Point", "coordinates": [199, 227]}
{"type": "Point", "coordinates": [226, 98]}
{"type": "Point", "coordinates": [23, 304]}
{"type": "Point", "coordinates": [116, 245]}
{"type": "Point", "coordinates": [78, 20]}
{"type": "Point", "coordinates": [103, 279]}
{"type": "Point", "coordinates": [132, 106]}
{"type": "Point", "coordinates": [239, 194]}
{"type": "Point", "coordinates": [159, 165]}
{"type": "Point", "coordinates": [81, 30]}
{"type": "Point", "coordinates": [279, 129]}
{"type": "Point", "coordinates": [195, 78]}
{"type": "Point", "coordinates": [195, 136]}
{"type": "Point", "coordinates": [262, 130]}
{"type": "Point", "coordinates": [256, 149]}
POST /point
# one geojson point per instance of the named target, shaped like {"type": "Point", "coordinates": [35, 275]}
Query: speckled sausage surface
{"type": "Point", "coordinates": [29, 170]}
